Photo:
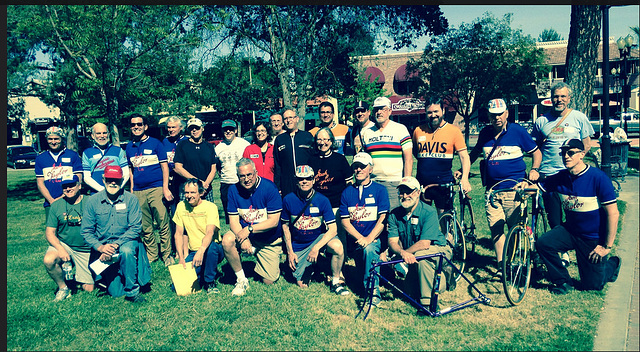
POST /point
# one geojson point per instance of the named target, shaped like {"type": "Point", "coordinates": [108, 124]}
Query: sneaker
{"type": "Point", "coordinates": [616, 271]}
{"type": "Point", "coordinates": [169, 261]}
{"type": "Point", "coordinates": [340, 290]}
{"type": "Point", "coordinates": [136, 299]}
{"type": "Point", "coordinates": [375, 301]}
{"type": "Point", "coordinates": [240, 288]}
{"type": "Point", "coordinates": [62, 294]}
{"type": "Point", "coordinates": [562, 289]}
{"type": "Point", "coordinates": [212, 288]}
{"type": "Point", "coordinates": [566, 261]}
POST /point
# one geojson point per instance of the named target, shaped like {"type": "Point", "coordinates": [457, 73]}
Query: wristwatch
{"type": "Point", "coordinates": [250, 227]}
{"type": "Point", "coordinates": [608, 247]}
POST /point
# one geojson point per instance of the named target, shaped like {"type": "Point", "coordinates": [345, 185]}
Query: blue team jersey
{"type": "Point", "coordinates": [170, 149]}
{"type": "Point", "coordinates": [311, 223]}
{"type": "Point", "coordinates": [506, 161]}
{"type": "Point", "coordinates": [582, 198]}
{"type": "Point", "coordinates": [364, 205]}
{"type": "Point", "coordinates": [96, 160]}
{"type": "Point", "coordinates": [145, 157]}
{"type": "Point", "coordinates": [253, 208]}
{"type": "Point", "coordinates": [53, 169]}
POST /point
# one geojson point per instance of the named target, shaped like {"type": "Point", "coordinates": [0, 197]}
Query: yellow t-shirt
{"type": "Point", "coordinates": [194, 220]}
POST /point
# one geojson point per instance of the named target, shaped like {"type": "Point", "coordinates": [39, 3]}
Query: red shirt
{"type": "Point", "coordinates": [265, 165]}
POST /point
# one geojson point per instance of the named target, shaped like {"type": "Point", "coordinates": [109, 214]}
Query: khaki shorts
{"type": "Point", "coordinates": [268, 259]}
{"type": "Point", "coordinates": [81, 262]}
{"type": "Point", "coordinates": [506, 212]}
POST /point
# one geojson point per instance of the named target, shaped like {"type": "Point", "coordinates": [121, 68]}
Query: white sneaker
{"type": "Point", "coordinates": [241, 288]}
{"type": "Point", "coordinates": [62, 294]}
{"type": "Point", "coordinates": [566, 261]}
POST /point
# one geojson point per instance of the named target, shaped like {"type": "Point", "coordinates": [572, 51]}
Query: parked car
{"type": "Point", "coordinates": [21, 156]}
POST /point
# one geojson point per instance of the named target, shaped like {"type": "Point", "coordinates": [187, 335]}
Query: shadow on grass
{"type": "Point", "coordinates": [26, 191]}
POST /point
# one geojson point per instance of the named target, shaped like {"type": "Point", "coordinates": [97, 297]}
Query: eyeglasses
{"type": "Point", "coordinates": [191, 128]}
{"type": "Point", "coordinates": [134, 124]}
{"type": "Point", "coordinates": [326, 112]}
{"type": "Point", "coordinates": [386, 108]}
{"type": "Point", "coordinates": [310, 178]}
{"type": "Point", "coordinates": [261, 131]}
{"type": "Point", "coordinates": [405, 191]}
{"type": "Point", "coordinates": [323, 140]}
{"type": "Point", "coordinates": [289, 117]}
{"type": "Point", "coordinates": [358, 166]}
{"type": "Point", "coordinates": [246, 176]}
{"type": "Point", "coordinates": [570, 153]}
{"type": "Point", "coordinates": [226, 130]}
{"type": "Point", "coordinates": [111, 180]}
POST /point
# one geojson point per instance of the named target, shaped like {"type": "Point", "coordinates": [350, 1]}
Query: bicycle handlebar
{"type": "Point", "coordinates": [518, 191]}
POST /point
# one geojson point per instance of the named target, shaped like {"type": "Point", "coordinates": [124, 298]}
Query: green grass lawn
{"type": "Point", "coordinates": [277, 317]}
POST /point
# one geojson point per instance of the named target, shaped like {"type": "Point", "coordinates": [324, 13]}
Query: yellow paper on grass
{"type": "Point", "coordinates": [184, 280]}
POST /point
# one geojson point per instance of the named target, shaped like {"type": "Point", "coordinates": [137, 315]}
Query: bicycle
{"type": "Point", "coordinates": [458, 226]}
{"type": "Point", "coordinates": [519, 256]}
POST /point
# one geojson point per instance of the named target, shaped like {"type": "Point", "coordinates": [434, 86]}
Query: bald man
{"type": "Point", "coordinates": [98, 157]}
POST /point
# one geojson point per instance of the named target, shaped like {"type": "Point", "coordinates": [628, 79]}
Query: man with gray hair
{"type": "Point", "coordinates": [550, 131]}
{"type": "Point", "coordinates": [95, 159]}
{"type": "Point", "coordinates": [53, 165]}
{"type": "Point", "coordinates": [254, 208]}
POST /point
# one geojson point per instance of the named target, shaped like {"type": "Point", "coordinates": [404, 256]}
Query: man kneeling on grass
{"type": "Point", "coordinates": [66, 244]}
{"type": "Point", "coordinates": [111, 225]}
{"type": "Point", "coordinates": [197, 237]}
{"type": "Point", "coordinates": [305, 215]}
{"type": "Point", "coordinates": [414, 231]}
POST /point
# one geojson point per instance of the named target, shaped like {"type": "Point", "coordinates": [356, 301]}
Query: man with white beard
{"type": "Point", "coordinates": [111, 225]}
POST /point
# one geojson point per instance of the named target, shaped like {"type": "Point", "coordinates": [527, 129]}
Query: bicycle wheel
{"type": "Point", "coordinates": [468, 227]}
{"type": "Point", "coordinates": [541, 226]}
{"type": "Point", "coordinates": [455, 239]}
{"type": "Point", "coordinates": [516, 264]}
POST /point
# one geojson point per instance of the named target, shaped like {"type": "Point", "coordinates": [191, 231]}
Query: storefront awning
{"type": "Point", "coordinates": [402, 75]}
{"type": "Point", "coordinates": [371, 73]}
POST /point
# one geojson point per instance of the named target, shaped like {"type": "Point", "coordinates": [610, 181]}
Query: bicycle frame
{"type": "Point", "coordinates": [432, 309]}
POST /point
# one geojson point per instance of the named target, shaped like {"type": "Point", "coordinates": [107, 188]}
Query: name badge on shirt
{"type": "Point", "coordinates": [369, 201]}
{"type": "Point", "coordinates": [121, 206]}
{"type": "Point", "coordinates": [414, 221]}
{"type": "Point", "coordinates": [422, 138]}
{"type": "Point", "coordinates": [314, 210]}
{"type": "Point", "coordinates": [97, 156]}
{"type": "Point", "coordinates": [147, 151]}
{"type": "Point", "coordinates": [66, 160]}
{"type": "Point", "coordinates": [253, 156]}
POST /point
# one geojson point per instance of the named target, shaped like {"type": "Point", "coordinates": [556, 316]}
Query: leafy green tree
{"type": "Point", "coordinates": [309, 46]}
{"type": "Point", "coordinates": [479, 61]}
{"type": "Point", "coordinates": [109, 60]}
{"type": "Point", "coordinates": [549, 35]}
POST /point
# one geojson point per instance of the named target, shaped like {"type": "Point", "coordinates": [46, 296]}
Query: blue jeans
{"type": "Point", "coordinates": [212, 257]}
{"type": "Point", "coordinates": [365, 257]}
{"type": "Point", "coordinates": [130, 272]}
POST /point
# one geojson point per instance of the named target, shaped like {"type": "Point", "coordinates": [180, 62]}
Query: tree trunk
{"type": "Point", "coordinates": [582, 54]}
{"type": "Point", "coordinates": [71, 123]}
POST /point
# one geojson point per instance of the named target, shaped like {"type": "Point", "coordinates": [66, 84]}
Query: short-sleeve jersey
{"type": "Point", "coordinates": [421, 225]}
{"type": "Point", "coordinates": [363, 205]}
{"type": "Point", "coordinates": [95, 160]}
{"type": "Point", "coordinates": [145, 157]}
{"type": "Point", "coordinates": [506, 161]}
{"type": "Point", "coordinates": [332, 174]}
{"type": "Point", "coordinates": [385, 147]}
{"type": "Point", "coordinates": [254, 207]}
{"type": "Point", "coordinates": [170, 148]}
{"type": "Point", "coordinates": [435, 151]}
{"type": "Point", "coordinates": [550, 137]}
{"type": "Point", "coordinates": [194, 220]}
{"type": "Point", "coordinates": [582, 197]}
{"type": "Point", "coordinates": [54, 168]}
{"type": "Point", "coordinates": [67, 219]}
{"type": "Point", "coordinates": [340, 133]}
{"type": "Point", "coordinates": [228, 156]}
{"type": "Point", "coordinates": [312, 222]}
{"type": "Point", "coordinates": [195, 158]}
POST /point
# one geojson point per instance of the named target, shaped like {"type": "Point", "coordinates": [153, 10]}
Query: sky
{"type": "Point", "coordinates": [533, 19]}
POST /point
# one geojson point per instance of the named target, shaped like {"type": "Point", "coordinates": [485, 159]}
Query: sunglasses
{"type": "Point", "coordinates": [358, 166]}
{"type": "Point", "coordinates": [405, 191]}
{"type": "Point", "coordinates": [570, 153]}
{"type": "Point", "coordinates": [191, 128]}
{"type": "Point", "coordinates": [134, 124]}
{"type": "Point", "coordinates": [310, 178]}
{"type": "Point", "coordinates": [112, 180]}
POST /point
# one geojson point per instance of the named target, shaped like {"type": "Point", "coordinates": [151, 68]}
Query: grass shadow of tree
{"type": "Point", "coordinates": [26, 191]}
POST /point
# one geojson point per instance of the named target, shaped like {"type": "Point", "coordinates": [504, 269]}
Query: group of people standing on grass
{"type": "Point", "coordinates": [293, 192]}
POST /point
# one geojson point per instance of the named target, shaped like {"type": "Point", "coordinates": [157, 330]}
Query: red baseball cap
{"type": "Point", "coordinates": [113, 171]}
